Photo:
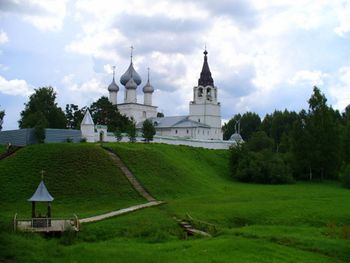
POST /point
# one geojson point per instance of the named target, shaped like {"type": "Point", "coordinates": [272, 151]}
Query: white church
{"type": "Point", "coordinates": [203, 121]}
{"type": "Point", "coordinates": [202, 124]}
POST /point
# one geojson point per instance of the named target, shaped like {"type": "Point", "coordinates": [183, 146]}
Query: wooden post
{"type": "Point", "coordinates": [33, 209]}
{"type": "Point", "coordinates": [49, 209]}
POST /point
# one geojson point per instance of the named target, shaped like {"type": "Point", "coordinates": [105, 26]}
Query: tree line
{"type": "Point", "coordinates": [42, 111]}
{"type": "Point", "coordinates": [285, 146]}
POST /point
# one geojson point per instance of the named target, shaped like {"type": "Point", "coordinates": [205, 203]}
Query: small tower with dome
{"type": "Point", "coordinates": [113, 89]}
{"type": "Point", "coordinates": [148, 91]}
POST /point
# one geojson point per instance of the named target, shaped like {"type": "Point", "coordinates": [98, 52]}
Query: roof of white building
{"type": "Point", "coordinates": [174, 122]}
{"type": "Point", "coordinates": [87, 120]}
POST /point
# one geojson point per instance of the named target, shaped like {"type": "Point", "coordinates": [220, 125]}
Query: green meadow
{"type": "Point", "coordinates": [301, 222]}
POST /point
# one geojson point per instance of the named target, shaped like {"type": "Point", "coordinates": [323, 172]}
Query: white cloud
{"type": "Point", "coordinates": [15, 87]}
{"type": "Point", "coordinates": [340, 91]}
{"type": "Point", "coordinates": [344, 20]}
{"type": "Point", "coordinates": [307, 77]}
{"type": "Point", "coordinates": [45, 15]}
{"type": "Point", "coordinates": [3, 37]}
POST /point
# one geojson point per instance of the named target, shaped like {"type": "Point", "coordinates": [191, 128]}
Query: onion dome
{"type": "Point", "coordinates": [148, 88]}
{"type": "Point", "coordinates": [131, 84]}
{"type": "Point", "coordinates": [130, 73]}
{"type": "Point", "coordinates": [236, 137]}
{"type": "Point", "coordinates": [205, 78]}
{"type": "Point", "coordinates": [113, 86]}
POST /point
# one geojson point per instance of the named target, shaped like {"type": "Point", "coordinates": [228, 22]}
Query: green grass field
{"type": "Point", "coordinates": [302, 222]}
{"type": "Point", "coordinates": [2, 148]}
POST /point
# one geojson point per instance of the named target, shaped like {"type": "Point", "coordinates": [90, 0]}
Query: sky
{"type": "Point", "coordinates": [263, 55]}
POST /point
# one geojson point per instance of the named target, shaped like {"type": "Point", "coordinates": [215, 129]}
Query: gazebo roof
{"type": "Point", "coordinates": [41, 194]}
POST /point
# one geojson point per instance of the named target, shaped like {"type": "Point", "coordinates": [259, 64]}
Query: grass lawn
{"type": "Point", "coordinates": [2, 148]}
{"type": "Point", "coordinates": [81, 177]}
{"type": "Point", "coordinates": [303, 222]}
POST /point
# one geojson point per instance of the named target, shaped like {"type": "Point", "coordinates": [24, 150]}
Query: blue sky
{"type": "Point", "coordinates": [264, 55]}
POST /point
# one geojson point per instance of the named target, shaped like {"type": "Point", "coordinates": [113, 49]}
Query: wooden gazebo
{"type": "Point", "coordinates": [41, 195]}
{"type": "Point", "coordinates": [44, 223]}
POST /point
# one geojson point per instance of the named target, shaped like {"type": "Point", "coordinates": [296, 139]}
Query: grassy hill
{"type": "Point", "coordinates": [2, 148]}
{"type": "Point", "coordinates": [81, 178]}
{"type": "Point", "coordinates": [303, 222]}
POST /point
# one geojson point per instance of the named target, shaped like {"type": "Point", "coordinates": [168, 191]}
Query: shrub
{"type": "Point", "coordinates": [68, 139]}
{"type": "Point", "coordinates": [256, 162]}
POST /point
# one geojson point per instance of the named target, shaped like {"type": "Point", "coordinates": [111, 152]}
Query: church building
{"type": "Point", "coordinates": [130, 107]}
{"type": "Point", "coordinates": [203, 121]}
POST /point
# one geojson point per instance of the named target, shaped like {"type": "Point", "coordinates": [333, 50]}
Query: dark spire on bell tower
{"type": "Point", "coordinates": [205, 78]}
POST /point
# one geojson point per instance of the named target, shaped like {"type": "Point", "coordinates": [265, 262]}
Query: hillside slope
{"type": "Point", "coordinates": [81, 177]}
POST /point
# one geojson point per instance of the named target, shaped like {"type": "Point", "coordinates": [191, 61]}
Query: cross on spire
{"type": "Point", "coordinates": [42, 174]}
{"type": "Point", "coordinates": [148, 73]}
{"type": "Point", "coordinates": [113, 67]}
{"type": "Point", "coordinates": [131, 50]}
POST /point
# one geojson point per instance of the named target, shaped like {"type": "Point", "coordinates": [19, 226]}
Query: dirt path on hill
{"type": "Point", "coordinates": [134, 183]}
{"type": "Point", "coordinates": [119, 212]}
{"type": "Point", "coordinates": [131, 178]}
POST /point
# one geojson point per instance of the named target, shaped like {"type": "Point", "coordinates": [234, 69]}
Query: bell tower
{"type": "Point", "coordinates": [205, 107]}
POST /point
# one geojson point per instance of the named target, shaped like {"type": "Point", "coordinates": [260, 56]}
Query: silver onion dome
{"type": "Point", "coordinates": [113, 86]}
{"type": "Point", "coordinates": [148, 88]}
{"type": "Point", "coordinates": [131, 84]}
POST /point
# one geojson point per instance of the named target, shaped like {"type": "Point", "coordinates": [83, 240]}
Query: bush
{"type": "Point", "coordinates": [83, 139]}
{"type": "Point", "coordinates": [68, 139]}
{"type": "Point", "coordinates": [256, 162]}
{"type": "Point", "coordinates": [345, 175]}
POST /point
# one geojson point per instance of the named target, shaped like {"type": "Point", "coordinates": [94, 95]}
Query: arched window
{"type": "Point", "coordinates": [200, 92]}
{"type": "Point", "coordinates": [209, 94]}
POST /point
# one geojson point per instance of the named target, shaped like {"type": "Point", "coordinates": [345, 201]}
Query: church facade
{"type": "Point", "coordinates": [203, 121]}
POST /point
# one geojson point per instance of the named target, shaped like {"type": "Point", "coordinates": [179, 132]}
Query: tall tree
{"type": "Point", "coordinates": [249, 123]}
{"type": "Point", "coordinates": [42, 102]}
{"type": "Point", "coordinates": [323, 132]}
{"type": "Point", "coordinates": [105, 113]}
{"type": "Point", "coordinates": [74, 116]}
{"type": "Point", "coordinates": [279, 125]}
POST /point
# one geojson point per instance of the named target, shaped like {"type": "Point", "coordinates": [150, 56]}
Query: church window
{"type": "Point", "coordinates": [199, 120]}
{"type": "Point", "coordinates": [187, 131]}
{"type": "Point", "coordinates": [198, 131]}
{"type": "Point", "coordinates": [176, 131]}
{"type": "Point", "coordinates": [144, 114]}
{"type": "Point", "coordinates": [208, 93]}
{"type": "Point", "coordinates": [200, 92]}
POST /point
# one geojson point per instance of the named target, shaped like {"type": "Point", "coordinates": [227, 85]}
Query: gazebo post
{"type": "Point", "coordinates": [49, 209]}
{"type": "Point", "coordinates": [33, 209]}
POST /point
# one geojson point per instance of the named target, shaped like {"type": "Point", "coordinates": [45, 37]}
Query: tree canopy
{"type": "Point", "coordinates": [42, 109]}
{"type": "Point", "coordinates": [105, 113]}
{"type": "Point", "coordinates": [249, 123]}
